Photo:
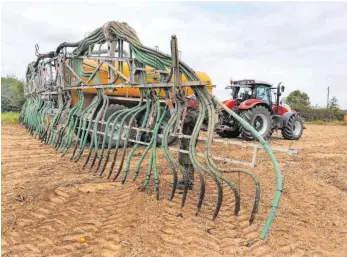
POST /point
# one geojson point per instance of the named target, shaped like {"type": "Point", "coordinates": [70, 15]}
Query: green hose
{"type": "Point", "coordinates": [212, 165]}
{"type": "Point", "coordinates": [94, 143]}
{"type": "Point", "coordinates": [268, 150]}
{"type": "Point", "coordinates": [138, 137]}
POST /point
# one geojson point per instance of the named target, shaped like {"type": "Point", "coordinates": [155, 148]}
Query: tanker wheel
{"type": "Point", "coordinates": [110, 110]}
{"type": "Point", "coordinates": [259, 118]}
{"type": "Point", "coordinates": [293, 128]}
{"type": "Point", "coordinates": [235, 130]}
{"type": "Point", "coordinates": [234, 133]}
{"type": "Point", "coordinates": [146, 137]}
{"type": "Point", "coordinates": [76, 131]}
{"type": "Point", "coordinates": [171, 139]}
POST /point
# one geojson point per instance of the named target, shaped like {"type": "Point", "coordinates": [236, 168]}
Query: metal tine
{"type": "Point", "coordinates": [152, 144]}
{"type": "Point", "coordinates": [57, 118]}
{"type": "Point", "coordinates": [81, 125]}
{"type": "Point", "coordinates": [79, 131]}
{"type": "Point", "coordinates": [173, 164]}
{"type": "Point", "coordinates": [202, 108]}
{"type": "Point", "coordinates": [63, 126]}
{"type": "Point", "coordinates": [72, 128]}
{"type": "Point", "coordinates": [108, 122]}
{"type": "Point", "coordinates": [110, 139]}
{"type": "Point", "coordinates": [55, 122]}
{"type": "Point", "coordinates": [138, 137]}
{"type": "Point", "coordinates": [102, 127]}
{"type": "Point", "coordinates": [195, 162]}
{"type": "Point", "coordinates": [88, 129]}
{"type": "Point", "coordinates": [151, 117]}
{"type": "Point", "coordinates": [94, 137]}
{"type": "Point", "coordinates": [211, 163]}
{"type": "Point", "coordinates": [125, 116]}
{"type": "Point", "coordinates": [120, 131]}
{"type": "Point", "coordinates": [126, 140]}
{"type": "Point", "coordinates": [64, 135]}
{"type": "Point", "coordinates": [46, 130]}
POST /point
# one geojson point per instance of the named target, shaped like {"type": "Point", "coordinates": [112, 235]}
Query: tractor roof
{"type": "Point", "coordinates": [248, 82]}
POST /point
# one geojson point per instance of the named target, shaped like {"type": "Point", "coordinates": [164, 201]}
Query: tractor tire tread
{"type": "Point", "coordinates": [247, 116]}
{"type": "Point", "coordinates": [287, 131]}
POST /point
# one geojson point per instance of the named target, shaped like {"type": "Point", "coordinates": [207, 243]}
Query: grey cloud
{"type": "Point", "coordinates": [301, 44]}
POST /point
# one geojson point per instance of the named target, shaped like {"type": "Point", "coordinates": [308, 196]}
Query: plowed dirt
{"type": "Point", "coordinates": [49, 203]}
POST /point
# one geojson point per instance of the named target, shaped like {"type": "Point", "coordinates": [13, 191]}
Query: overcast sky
{"type": "Point", "coordinates": [304, 45]}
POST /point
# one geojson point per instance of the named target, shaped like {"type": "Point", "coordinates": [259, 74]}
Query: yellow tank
{"type": "Point", "coordinates": [152, 77]}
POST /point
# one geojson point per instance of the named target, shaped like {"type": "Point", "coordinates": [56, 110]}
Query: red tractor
{"type": "Point", "coordinates": [252, 100]}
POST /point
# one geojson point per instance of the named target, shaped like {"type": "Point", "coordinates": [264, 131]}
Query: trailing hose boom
{"type": "Point", "coordinates": [107, 91]}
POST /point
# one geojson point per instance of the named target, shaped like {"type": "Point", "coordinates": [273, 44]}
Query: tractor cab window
{"type": "Point", "coordinates": [235, 92]}
{"type": "Point", "coordinates": [243, 93]}
{"type": "Point", "coordinates": [263, 93]}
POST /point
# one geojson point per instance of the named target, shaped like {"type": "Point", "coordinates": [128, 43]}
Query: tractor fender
{"type": "Point", "coordinates": [249, 104]}
{"type": "Point", "coordinates": [230, 103]}
{"type": "Point", "coordinates": [286, 116]}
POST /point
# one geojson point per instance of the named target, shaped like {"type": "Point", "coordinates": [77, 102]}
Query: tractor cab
{"type": "Point", "coordinates": [243, 90]}
{"type": "Point", "coordinates": [248, 92]}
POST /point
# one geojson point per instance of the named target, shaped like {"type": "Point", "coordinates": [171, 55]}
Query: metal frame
{"type": "Point", "coordinates": [256, 147]}
{"type": "Point", "coordinates": [39, 85]}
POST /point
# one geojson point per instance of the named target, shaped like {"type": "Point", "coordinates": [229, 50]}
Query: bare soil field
{"type": "Point", "coordinates": [49, 203]}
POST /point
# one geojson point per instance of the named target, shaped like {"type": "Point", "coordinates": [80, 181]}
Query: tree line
{"type": "Point", "coordinates": [12, 94]}
{"type": "Point", "coordinates": [300, 102]}
{"type": "Point", "coordinates": [12, 99]}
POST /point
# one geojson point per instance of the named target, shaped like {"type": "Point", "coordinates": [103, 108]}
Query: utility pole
{"type": "Point", "coordinates": [328, 99]}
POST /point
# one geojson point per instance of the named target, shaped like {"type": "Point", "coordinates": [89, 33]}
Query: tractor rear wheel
{"type": "Point", "coordinates": [293, 129]}
{"type": "Point", "coordinates": [259, 118]}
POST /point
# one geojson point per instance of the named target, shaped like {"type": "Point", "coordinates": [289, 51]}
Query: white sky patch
{"type": "Point", "coordinates": [301, 44]}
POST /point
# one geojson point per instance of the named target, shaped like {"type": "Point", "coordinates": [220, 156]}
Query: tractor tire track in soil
{"type": "Point", "coordinates": [49, 203]}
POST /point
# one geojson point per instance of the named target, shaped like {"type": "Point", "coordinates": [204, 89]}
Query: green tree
{"type": "Point", "coordinates": [298, 99]}
{"type": "Point", "coordinates": [12, 93]}
{"type": "Point", "coordinates": [333, 103]}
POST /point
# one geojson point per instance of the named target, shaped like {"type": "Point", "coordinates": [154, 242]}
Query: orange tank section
{"type": "Point", "coordinates": [89, 66]}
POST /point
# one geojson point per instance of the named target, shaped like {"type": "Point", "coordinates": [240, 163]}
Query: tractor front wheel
{"type": "Point", "coordinates": [259, 118]}
{"type": "Point", "coordinates": [293, 129]}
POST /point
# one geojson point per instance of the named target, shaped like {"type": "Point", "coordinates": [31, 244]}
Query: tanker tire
{"type": "Point", "coordinates": [229, 134]}
{"type": "Point", "coordinates": [76, 131]}
{"type": "Point", "coordinates": [171, 139]}
{"type": "Point", "coordinates": [293, 128]}
{"type": "Point", "coordinates": [146, 136]}
{"type": "Point", "coordinates": [110, 110]}
{"type": "Point", "coordinates": [251, 116]}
